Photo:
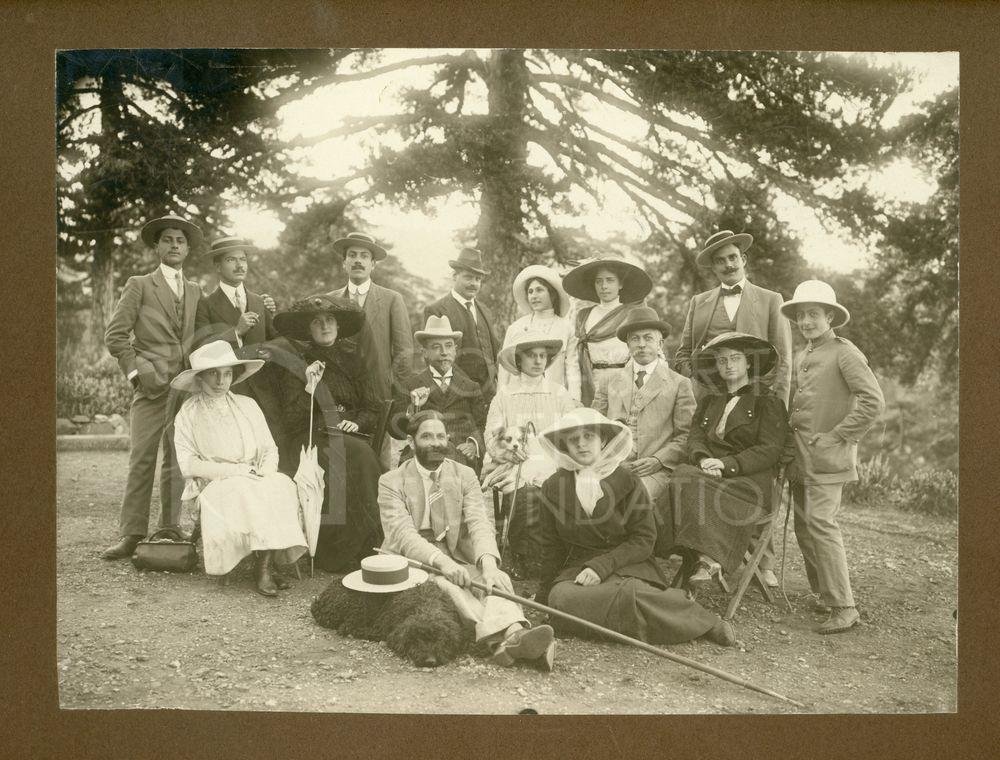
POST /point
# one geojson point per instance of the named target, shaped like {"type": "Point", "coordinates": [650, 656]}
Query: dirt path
{"type": "Point", "coordinates": [143, 640]}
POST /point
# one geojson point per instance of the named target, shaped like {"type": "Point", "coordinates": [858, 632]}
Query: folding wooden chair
{"type": "Point", "coordinates": [381, 426]}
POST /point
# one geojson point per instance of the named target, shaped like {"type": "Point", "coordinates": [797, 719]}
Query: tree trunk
{"type": "Point", "coordinates": [504, 191]}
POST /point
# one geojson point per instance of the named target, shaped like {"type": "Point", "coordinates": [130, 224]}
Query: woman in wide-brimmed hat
{"type": "Point", "coordinates": [226, 452]}
{"type": "Point", "coordinates": [527, 404]}
{"type": "Point", "coordinates": [594, 351]}
{"type": "Point", "coordinates": [598, 533]}
{"type": "Point", "coordinates": [543, 306]}
{"type": "Point", "coordinates": [343, 412]}
{"type": "Point", "coordinates": [735, 446]}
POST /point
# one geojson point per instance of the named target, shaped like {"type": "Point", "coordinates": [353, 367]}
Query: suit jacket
{"type": "Point", "coordinates": [461, 406]}
{"type": "Point", "coordinates": [401, 506]}
{"type": "Point", "coordinates": [145, 334]}
{"type": "Point", "coordinates": [758, 315]}
{"type": "Point", "coordinates": [755, 436]}
{"type": "Point", "coordinates": [216, 319]}
{"type": "Point", "coordinates": [478, 362]}
{"type": "Point", "coordinates": [386, 336]}
{"type": "Point", "coordinates": [617, 538]}
{"type": "Point", "coordinates": [664, 417]}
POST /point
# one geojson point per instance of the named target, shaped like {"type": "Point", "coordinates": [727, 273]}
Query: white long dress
{"type": "Point", "coordinates": [549, 324]}
{"type": "Point", "coordinates": [217, 439]}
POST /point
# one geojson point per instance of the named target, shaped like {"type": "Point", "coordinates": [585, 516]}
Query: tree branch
{"type": "Point", "coordinates": [354, 125]}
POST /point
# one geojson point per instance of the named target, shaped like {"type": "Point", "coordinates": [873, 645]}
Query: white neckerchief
{"type": "Point", "coordinates": [588, 479]}
{"type": "Point", "coordinates": [170, 275]}
{"type": "Point", "coordinates": [230, 292]}
{"type": "Point", "coordinates": [732, 303]}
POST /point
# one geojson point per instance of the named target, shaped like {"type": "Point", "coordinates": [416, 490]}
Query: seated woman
{"type": "Point", "coordinates": [598, 532]}
{"type": "Point", "coordinates": [341, 411]}
{"type": "Point", "coordinates": [526, 404]}
{"type": "Point", "coordinates": [226, 452]}
{"type": "Point", "coordinates": [736, 441]}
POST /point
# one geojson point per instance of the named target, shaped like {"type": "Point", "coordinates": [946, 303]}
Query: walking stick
{"type": "Point", "coordinates": [784, 543]}
{"type": "Point", "coordinates": [504, 542]}
{"type": "Point", "coordinates": [620, 637]}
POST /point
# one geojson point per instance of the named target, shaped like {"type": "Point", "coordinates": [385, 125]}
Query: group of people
{"type": "Point", "coordinates": [574, 431]}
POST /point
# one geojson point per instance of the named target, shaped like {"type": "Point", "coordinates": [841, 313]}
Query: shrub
{"type": "Point", "coordinates": [875, 484]}
{"type": "Point", "coordinates": [97, 388]}
{"type": "Point", "coordinates": [930, 491]}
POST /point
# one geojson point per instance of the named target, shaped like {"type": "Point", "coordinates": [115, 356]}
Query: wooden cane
{"type": "Point", "coordinates": [621, 637]}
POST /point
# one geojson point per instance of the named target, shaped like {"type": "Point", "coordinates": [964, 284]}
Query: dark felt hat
{"type": "Point", "coordinates": [295, 322]}
{"type": "Point", "coordinates": [151, 230]}
{"type": "Point", "coordinates": [761, 355]}
{"type": "Point", "coordinates": [360, 240]}
{"type": "Point", "coordinates": [471, 259]}
{"type": "Point", "coordinates": [642, 318]}
{"type": "Point", "coordinates": [579, 282]}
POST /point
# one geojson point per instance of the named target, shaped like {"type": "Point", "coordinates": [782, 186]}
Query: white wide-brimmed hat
{"type": "Point", "coordinates": [583, 417]}
{"type": "Point", "coordinates": [214, 355]}
{"type": "Point", "coordinates": [384, 574]}
{"type": "Point", "coordinates": [437, 327]}
{"type": "Point", "coordinates": [816, 291]}
{"type": "Point", "coordinates": [507, 357]}
{"type": "Point", "coordinates": [539, 272]}
{"type": "Point", "coordinates": [741, 240]}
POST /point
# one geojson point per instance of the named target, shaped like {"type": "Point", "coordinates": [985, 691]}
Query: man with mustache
{"type": "Point", "coordinates": [384, 343]}
{"type": "Point", "coordinates": [242, 318]}
{"type": "Point", "coordinates": [737, 305]}
{"type": "Point", "coordinates": [432, 511]}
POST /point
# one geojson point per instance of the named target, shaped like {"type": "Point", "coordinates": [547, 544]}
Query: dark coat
{"type": "Point", "coordinates": [462, 405]}
{"type": "Point", "coordinates": [477, 361]}
{"type": "Point", "coordinates": [216, 319]}
{"type": "Point", "coordinates": [617, 538]}
{"type": "Point", "coordinates": [755, 437]}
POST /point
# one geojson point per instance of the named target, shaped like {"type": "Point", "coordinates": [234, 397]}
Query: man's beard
{"type": "Point", "coordinates": [430, 457]}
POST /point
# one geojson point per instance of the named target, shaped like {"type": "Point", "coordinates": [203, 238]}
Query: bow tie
{"type": "Point", "coordinates": [733, 291]}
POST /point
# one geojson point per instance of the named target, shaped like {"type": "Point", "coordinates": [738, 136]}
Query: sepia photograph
{"type": "Point", "coordinates": [507, 381]}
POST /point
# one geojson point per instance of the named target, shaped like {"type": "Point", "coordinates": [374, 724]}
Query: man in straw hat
{"type": "Point", "coordinates": [150, 334]}
{"type": "Point", "coordinates": [835, 400]}
{"type": "Point", "coordinates": [737, 305]}
{"type": "Point", "coordinates": [480, 342]}
{"type": "Point", "coordinates": [432, 511]}
{"type": "Point", "coordinates": [443, 387]}
{"type": "Point", "coordinates": [655, 402]}
{"type": "Point", "coordinates": [240, 317]}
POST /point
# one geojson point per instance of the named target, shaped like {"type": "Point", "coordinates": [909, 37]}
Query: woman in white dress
{"type": "Point", "coordinates": [226, 453]}
{"type": "Point", "coordinates": [543, 306]}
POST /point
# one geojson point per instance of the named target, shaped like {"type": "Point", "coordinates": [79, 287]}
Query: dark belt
{"type": "Point", "coordinates": [605, 365]}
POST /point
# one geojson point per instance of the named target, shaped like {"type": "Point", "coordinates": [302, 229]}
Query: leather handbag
{"type": "Point", "coordinates": [166, 550]}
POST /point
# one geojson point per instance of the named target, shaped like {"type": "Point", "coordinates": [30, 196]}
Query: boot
{"type": "Point", "coordinates": [841, 619]}
{"type": "Point", "coordinates": [124, 549]}
{"type": "Point", "coordinates": [262, 573]}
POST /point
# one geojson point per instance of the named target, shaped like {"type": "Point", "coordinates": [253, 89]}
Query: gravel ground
{"type": "Point", "coordinates": [128, 639]}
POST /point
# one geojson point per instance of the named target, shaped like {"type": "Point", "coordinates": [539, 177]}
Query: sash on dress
{"type": "Point", "coordinates": [604, 329]}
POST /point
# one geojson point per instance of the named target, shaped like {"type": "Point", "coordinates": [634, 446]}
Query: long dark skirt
{"type": "Point", "coordinates": [710, 516]}
{"type": "Point", "coordinates": [349, 523]}
{"type": "Point", "coordinates": [633, 607]}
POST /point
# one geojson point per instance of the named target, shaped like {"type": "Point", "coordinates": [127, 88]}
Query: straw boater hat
{"type": "Point", "coordinates": [584, 417]}
{"type": "Point", "coordinates": [360, 240]}
{"type": "Point", "coordinates": [546, 274]}
{"type": "Point", "coordinates": [214, 355]}
{"type": "Point", "coordinates": [151, 229]}
{"type": "Point", "coordinates": [471, 259]}
{"type": "Point", "coordinates": [437, 327]}
{"type": "Point", "coordinates": [295, 322]}
{"type": "Point", "coordinates": [508, 355]}
{"type": "Point", "coordinates": [384, 574]}
{"type": "Point", "coordinates": [636, 284]}
{"type": "Point", "coordinates": [816, 291]}
{"type": "Point", "coordinates": [761, 354]}
{"type": "Point", "coordinates": [223, 245]}
{"type": "Point", "coordinates": [741, 240]}
{"type": "Point", "coordinates": [642, 318]}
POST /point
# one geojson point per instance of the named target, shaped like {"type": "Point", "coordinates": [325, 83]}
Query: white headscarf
{"type": "Point", "coordinates": [614, 452]}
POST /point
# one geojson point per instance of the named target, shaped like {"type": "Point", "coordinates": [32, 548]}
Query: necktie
{"type": "Point", "coordinates": [355, 296]}
{"type": "Point", "coordinates": [435, 504]}
{"type": "Point", "coordinates": [240, 305]}
{"type": "Point", "coordinates": [179, 296]}
{"type": "Point", "coordinates": [472, 311]}
{"type": "Point", "coordinates": [443, 383]}
{"type": "Point", "coordinates": [733, 291]}
{"type": "Point", "coordinates": [640, 378]}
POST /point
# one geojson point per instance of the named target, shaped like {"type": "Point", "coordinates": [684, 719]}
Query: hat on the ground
{"type": "Point", "coordinates": [223, 245]}
{"type": "Point", "coordinates": [761, 355]}
{"type": "Point", "coordinates": [471, 259]}
{"type": "Point", "coordinates": [360, 240]}
{"type": "Point", "coordinates": [818, 292]}
{"type": "Point", "coordinates": [151, 230]}
{"type": "Point", "coordinates": [539, 272]}
{"type": "Point", "coordinates": [584, 417]}
{"type": "Point", "coordinates": [384, 574]}
{"type": "Point", "coordinates": [508, 354]}
{"type": "Point", "coordinates": [295, 322]}
{"type": "Point", "coordinates": [642, 318]}
{"type": "Point", "coordinates": [214, 355]}
{"type": "Point", "coordinates": [579, 282]}
{"type": "Point", "coordinates": [741, 240]}
{"type": "Point", "coordinates": [437, 327]}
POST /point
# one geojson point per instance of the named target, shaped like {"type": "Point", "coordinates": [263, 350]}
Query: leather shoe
{"type": "Point", "coordinates": [722, 633]}
{"type": "Point", "coordinates": [841, 619]}
{"type": "Point", "coordinates": [770, 579]}
{"type": "Point", "coordinates": [124, 549]}
{"type": "Point", "coordinates": [525, 644]}
{"type": "Point", "coordinates": [547, 661]}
